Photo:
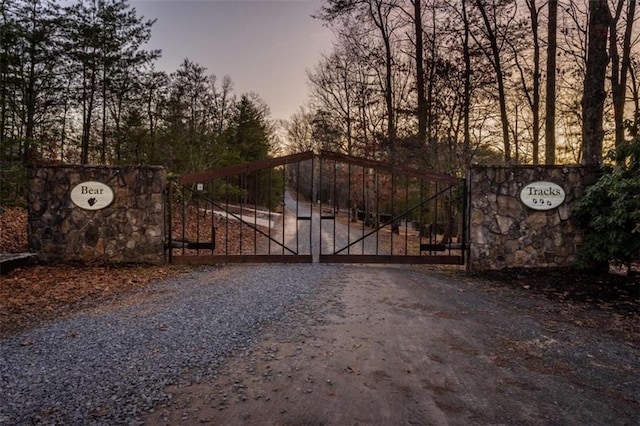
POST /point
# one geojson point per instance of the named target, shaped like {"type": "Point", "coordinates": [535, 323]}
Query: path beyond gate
{"type": "Point", "coordinates": [307, 207]}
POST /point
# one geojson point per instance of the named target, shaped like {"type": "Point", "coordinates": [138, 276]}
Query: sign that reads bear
{"type": "Point", "coordinates": [92, 195]}
{"type": "Point", "coordinates": [542, 195]}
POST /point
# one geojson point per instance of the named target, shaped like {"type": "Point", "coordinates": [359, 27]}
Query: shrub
{"type": "Point", "coordinates": [609, 212]}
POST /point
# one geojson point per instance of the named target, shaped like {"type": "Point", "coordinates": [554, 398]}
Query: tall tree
{"type": "Point", "coordinates": [493, 53]}
{"type": "Point", "coordinates": [420, 83]}
{"type": "Point", "coordinates": [550, 102]}
{"type": "Point", "coordinates": [8, 37]}
{"type": "Point", "coordinates": [37, 34]}
{"type": "Point", "coordinates": [379, 14]}
{"type": "Point", "coordinates": [620, 66]}
{"type": "Point", "coordinates": [333, 86]}
{"type": "Point", "coordinates": [526, 54]}
{"type": "Point", "coordinates": [250, 132]}
{"type": "Point", "coordinates": [103, 41]}
{"type": "Point", "coordinates": [594, 82]}
{"type": "Point", "coordinates": [300, 132]}
{"type": "Point", "coordinates": [83, 48]}
{"type": "Point", "coordinates": [466, 109]}
{"type": "Point", "coordinates": [122, 35]}
{"type": "Point", "coordinates": [534, 98]}
{"type": "Point", "coordinates": [223, 101]}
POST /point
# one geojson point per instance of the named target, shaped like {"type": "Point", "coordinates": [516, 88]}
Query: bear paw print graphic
{"type": "Point", "coordinates": [92, 201]}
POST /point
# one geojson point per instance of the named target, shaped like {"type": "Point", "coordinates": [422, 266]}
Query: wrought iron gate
{"type": "Point", "coordinates": [326, 208]}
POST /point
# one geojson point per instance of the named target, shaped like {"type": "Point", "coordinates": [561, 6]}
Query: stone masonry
{"type": "Point", "coordinates": [129, 230]}
{"type": "Point", "coordinates": [505, 233]}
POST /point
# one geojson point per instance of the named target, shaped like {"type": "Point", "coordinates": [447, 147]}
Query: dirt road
{"type": "Point", "coordinates": [395, 345]}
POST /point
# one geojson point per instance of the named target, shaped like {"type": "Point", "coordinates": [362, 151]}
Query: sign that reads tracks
{"type": "Point", "coordinates": [92, 195]}
{"type": "Point", "coordinates": [542, 195]}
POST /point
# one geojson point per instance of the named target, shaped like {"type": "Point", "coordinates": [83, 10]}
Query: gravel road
{"type": "Point", "coordinates": [322, 344]}
{"type": "Point", "coordinates": [110, 364]}
{"type": "Point", "coordinates": [391, 345]}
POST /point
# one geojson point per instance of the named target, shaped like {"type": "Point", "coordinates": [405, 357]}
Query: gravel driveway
{"type": "Point", "coordinates": [110, 364]}
{"type": "Point", "coordinates": [321, 344]}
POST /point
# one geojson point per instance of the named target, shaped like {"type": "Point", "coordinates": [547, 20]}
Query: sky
{"type": "Point", "coordinates": [265, 46]}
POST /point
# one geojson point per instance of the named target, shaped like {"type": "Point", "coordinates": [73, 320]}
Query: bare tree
{"type": "Point", "coordinates": [300, 132]}
{"type": "Point", "coordinates": [380, 15]}
{"type": "Point", "coordinates": [550, 104]}
{"type": "Point", "coordinates": [526, 53]}
{"type": "Point", "coordinates": [420, 83]}
{"type": "Point", "coordinates": [634, 122]}
{"type": "Point", "coordinates": [594, 82]}
{"type": "Point", "coordinates": [620, 66]}
{"type": "Point", "coordinates": [333, 89]}
{"type": "Point", "coordinates": [466, 53]}
{"type": "Point", "coordinates": [495, 37]}
{"type": "Point", "coordinates": [534, 99]}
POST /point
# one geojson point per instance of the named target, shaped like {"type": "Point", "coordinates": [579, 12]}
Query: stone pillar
{"type": "Point", "coordinates": [128, 230]}
{"type": "Point", "coordinates": [505, 233]}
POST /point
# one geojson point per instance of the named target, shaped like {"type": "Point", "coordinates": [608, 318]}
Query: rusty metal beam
{"type": "Point", "coordinates": [378, 258]}
{"type": "Point", "coordinates": [245, 168]}
{"type": "Point", "coordinates": [390, 168]}
{"type": "Point", "coordinates": [249, 258]}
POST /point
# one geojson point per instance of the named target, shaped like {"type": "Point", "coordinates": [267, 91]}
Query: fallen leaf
{"type": "Point", "coordinates": [352, 370]}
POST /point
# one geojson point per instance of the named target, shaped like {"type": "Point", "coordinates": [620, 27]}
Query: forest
{"type": "Point", "coordinates": [78, 87]}
{"type": "Point", "coordinates": [437, 84]}
{"type": "Point", "coordinates": [450, 83]}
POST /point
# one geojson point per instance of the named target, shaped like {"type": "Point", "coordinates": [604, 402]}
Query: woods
{"type": "Point", "coordinates": [438, 84]}
{"type": "Point", "coordinates": [79, 86]}
{"type": "Point", "coordinates": [447, 83]}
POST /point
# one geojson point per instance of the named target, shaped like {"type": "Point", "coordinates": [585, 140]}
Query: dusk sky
{"type": "Point", "coordinates": [265, 46]}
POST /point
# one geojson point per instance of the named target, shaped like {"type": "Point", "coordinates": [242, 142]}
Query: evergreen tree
{"type": "Point", "coordinates": [248, 138]}
{"type": "Point", "coordinates": [249, 134]}
{"type": "Point", "coordinates": [103, 43]}
{"type": "Point", "coordinates": [35, 66]}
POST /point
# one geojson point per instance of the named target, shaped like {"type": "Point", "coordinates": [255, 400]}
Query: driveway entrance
{"type": "Point", "coordinates": [330, 208]}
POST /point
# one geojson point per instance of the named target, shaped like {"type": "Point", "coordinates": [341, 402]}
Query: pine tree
{"type": "Point", "coordinates": [249, 134]}
{"type": "Point", "coordinates": [103, 43]}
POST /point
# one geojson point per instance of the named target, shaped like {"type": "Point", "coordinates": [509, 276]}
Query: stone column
{"type": "Point", "coordinates": [129, 230]}
{"type": "Point", "coordinates": [505, 233]}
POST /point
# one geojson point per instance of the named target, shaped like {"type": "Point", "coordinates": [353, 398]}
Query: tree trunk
{"type": "Point", "coordinates": [4, 72]}
{"type": "Point", "coordinates": [381, 21]}
{"type": "Point", "coordinates": [467, 87]}
{"type": "Point", "coordinates": [635, 96]}
{"type": "Point", "coordinates": [422, 105]}
{"type": "Point", "coordinates": [103, 151]}
{"type": "Point", "coordinates": [30, 95]}
{"type": "Point", "coordinates": [88, 99]}
{"type": "Point", "coordinates": [391, 122]}
{"type": "Point", "coordinates": [497, 66]}
{"type": "Point", "coordinates": [535, 107]}
{"type": "Point", "coordinates": [550, 104]}
{"type": "Point", "coordinates": [620, 67]}
{"type": "Point", "coordinates": [430, 102]}
{"type": "Point", "coordinates": [594, 90]}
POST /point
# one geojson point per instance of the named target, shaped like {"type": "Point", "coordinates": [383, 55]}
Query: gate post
{"type": "Point", "coordinates": [169, 227]}
{"type": "Point", "coordinates": [507, 232]}
{"type": "Point", "coordinates": [104, 214]}
{"type": "Point", "coordinates": [465, 223]}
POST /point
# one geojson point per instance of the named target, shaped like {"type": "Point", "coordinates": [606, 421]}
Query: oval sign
{"type": "Point", "coordinates": [542, 195]}
{"type": "Point", "coordinates": [92, 195]}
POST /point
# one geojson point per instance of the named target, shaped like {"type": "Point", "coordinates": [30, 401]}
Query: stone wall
{"type": "Point", "coordinates": [129, 230]}
{"type": "Point", "coordinates": [505, 233]}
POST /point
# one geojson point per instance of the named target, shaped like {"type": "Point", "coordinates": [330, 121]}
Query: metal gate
{"type": "Point", "coordinates": [306, 207]}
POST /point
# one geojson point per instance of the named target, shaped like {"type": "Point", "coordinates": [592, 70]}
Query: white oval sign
{"type": "Point", "coordinates": [542, 195]}
{"type": "Point", "coordinates": [92, 195]}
